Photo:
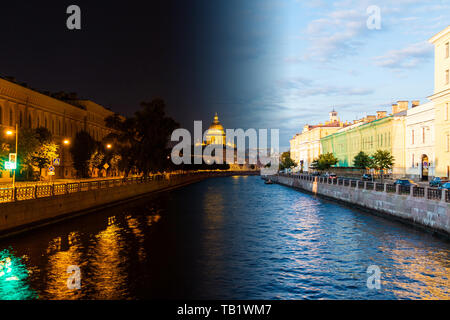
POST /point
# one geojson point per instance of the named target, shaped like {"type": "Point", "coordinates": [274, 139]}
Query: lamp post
{"type": "Point", "coordinates": [10, 133]}
{"type": "Point", "coordinates": [66, 142]}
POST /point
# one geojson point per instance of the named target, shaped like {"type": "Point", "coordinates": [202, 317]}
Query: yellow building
{"type": "Point", "coordinates": [306, 146]}
{"type": "Point", "coordinates": [373, 133]}
{"type": "Point", "coordinates": [441, 100]}
{"type": "Point", "coordinates": [29, 108]}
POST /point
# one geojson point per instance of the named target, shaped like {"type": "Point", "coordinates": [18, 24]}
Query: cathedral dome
{"type": "Point", "coordinates": [216, 132]}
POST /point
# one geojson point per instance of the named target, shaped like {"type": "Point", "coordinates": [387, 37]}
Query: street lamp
{"type": "Point", "coordinates": [108, 146]}
{"type": "Point", "coordinates": [66, 142]}
{"type": "Point", "coordinates": [10, 133]}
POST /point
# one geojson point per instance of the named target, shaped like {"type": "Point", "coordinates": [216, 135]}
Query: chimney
{"type": "Point", "coordinates": [399, 107]}
{"type": "Point", "coordinates": [415, 103]}
{"type": "Point", "coordinates": [381, 114]}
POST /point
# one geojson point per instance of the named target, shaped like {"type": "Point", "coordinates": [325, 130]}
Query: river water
{"type": "Point", "coordinates": [226, 238]}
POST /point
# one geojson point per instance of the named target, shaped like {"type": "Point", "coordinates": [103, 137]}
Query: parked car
{"type": "Point", "coordinates": [330, 175]}
{"type": "Point", "coordinates": [405, 182]}
{"type": "Point", "coordinates": [367, 177]}
{"type": "Point", "coordinates": [437, 182]}
{"type": "Point", "coordinates": [444, 186]}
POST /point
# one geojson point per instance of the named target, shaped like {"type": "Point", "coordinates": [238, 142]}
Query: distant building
{"type": "Point", "coordinates": [305, 146]}
{"type": "Point", "coordinates": [380, 132]}
{"type": "Point", "coordinates": [32, 109]}
{"type": "Point", "coordinates": [441, 100]}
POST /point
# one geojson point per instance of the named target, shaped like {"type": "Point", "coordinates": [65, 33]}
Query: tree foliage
{"type": "Point", "coordinates": [142, 140]}
{"type": "Point", "coordinates": [286, 161]}
{"type": "Point", "coordinates": [82, 149]}
{"type": "Point", "coordinates": [382, 159]}
{"type": "Point", "coordinates": [324, 162]}
{"type": "Point", "coordinates": [362, 160]}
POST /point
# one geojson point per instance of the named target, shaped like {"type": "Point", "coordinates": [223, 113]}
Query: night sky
{"type": "Point", "coordinates": [125, 53]}
{"type": "Point", "coordinates": [258, 63]}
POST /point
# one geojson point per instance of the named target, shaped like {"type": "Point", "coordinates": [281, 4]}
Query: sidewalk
{"type": "Point", "coordinates": [56, 181]}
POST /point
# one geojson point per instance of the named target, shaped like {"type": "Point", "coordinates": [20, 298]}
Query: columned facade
{"type": "Point", "coordinates": [32, 109]}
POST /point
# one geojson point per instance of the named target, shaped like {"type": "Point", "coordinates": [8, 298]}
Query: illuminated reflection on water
{"type": "Point", "coordinates": [226, 238]}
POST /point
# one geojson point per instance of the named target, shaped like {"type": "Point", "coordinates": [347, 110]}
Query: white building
{"type": "Point", "coordinates": [420, 141]}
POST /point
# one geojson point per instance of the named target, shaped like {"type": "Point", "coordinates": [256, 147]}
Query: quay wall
{"type": "Point", "coordinates": [433, 215]}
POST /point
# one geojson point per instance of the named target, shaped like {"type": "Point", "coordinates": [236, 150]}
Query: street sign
{"type": "Point", "coordinates": [106, 166]}
{"type": "Point", "coordinates": [56, 162]}
{"type": "Point", "coordinates": [51, 169]}
{"type": "Point", "coordinates": [10, 165]}
{"type": "Point", "coordinates": [13, 157]}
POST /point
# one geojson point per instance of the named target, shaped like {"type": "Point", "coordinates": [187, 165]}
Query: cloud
{"type": "Point", "coordinates": [303, 87]}
{"type": "Point", "coordinates": [336, 35]}
{"type": "Point", "coordinates": [406, 58]}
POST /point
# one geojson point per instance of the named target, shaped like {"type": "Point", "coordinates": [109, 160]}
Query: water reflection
{"type": "Point", "coordinates": [226, 238]}
{"type": "Point", "coordinates": [13, 278]}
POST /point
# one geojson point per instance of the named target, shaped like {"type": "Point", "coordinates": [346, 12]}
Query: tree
{"type": "Point", "coordinates": [362, 160]}
{"type": "Point", "coordinates": [324, 162]}
{"type": "Point", "coordinates": [286, 162]}
{"type": "Point", "coordinates": [381, 160]}
{"type": "Point", "coordinates": [46, 151]}
{"type": "Point", "coordinates": [142, 140]}
{"type": "Point", "coordinates": [82, 149]}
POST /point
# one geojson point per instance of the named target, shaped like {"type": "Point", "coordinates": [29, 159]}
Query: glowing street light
{"type": "Point", "coordinates": [66, 142]}
{"type": "Point", "coordinates": [10, 133]}
{"type": "Point", "coordinates": [109, 146]}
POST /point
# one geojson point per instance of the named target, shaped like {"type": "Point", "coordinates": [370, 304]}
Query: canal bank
{"type": "Point", "coordinates": [417, 206]}
{"type": "Point", "coordinates": [37, 206]}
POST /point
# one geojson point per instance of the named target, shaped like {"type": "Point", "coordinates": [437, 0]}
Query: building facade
{"type": "Point", "coordinates": [420, 142]}
{"type": "Point", "coordinates": [381, 132]}
{"type": "Point", "coordinates": [305, 147]}
{"type": "Point", "coordinates": [441, 100]}
{"type": "Point", "coordinates": [29, 108]}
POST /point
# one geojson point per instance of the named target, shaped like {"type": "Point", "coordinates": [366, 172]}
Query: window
{"type": "Point", "coordinates": [21, 119]}
{"type": "Point", "coordinates": [446, 111]}
{"type": "Point", "coordinates": [448, 142]}
{"type": "Point", "coordinates": [447, 50]}
{"type": "Point", "coordinates": [412, 165]}
{"type": "Point", "coordinates": [423, 135]}
{"type": "Point", "coordinates": [412, 136]}
{"type": "Point", "coordinates": [446, 77]}
{"type": "Point", "coordinates": [10, 117]}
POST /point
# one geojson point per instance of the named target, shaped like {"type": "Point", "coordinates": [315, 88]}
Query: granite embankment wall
{"type": "Point", "coordinates": [20, 216]}
{"type": "Point", "coordinates": [434, 215]}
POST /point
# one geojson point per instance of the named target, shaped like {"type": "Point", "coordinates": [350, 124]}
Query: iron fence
{"type": "Point", "coordinates": [40, 190]}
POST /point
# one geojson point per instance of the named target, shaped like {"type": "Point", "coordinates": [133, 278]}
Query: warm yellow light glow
{"type": "Point", "coordinates": [109, 146]}
{"type": "Point", "coordinates": [9, 133]}
{"type": "Point", "coordinates": [66, 142]}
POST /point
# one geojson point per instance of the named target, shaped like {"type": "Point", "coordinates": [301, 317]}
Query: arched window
{"type": "Point", "coordinates": [29, 121]}
{"type": "Point", "coordinates": [21, 119]}
{"type": "Point", "coordinates": [1, 115]}
{"type": "Point", "coordinates": [10, 117]}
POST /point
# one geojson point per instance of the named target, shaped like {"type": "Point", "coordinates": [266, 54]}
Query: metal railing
{"type": "Point", "coordinates": [416, 191]}
{"type": "Point", "coordinates": [38, 191]}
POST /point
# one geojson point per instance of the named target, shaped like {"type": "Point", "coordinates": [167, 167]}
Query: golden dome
{"type": "Point", "coordinates": [216, 126]}
{"type": "Point", "coordinates": [216, 133]}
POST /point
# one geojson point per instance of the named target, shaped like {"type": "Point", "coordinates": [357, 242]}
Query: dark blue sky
{"type": "Point", "coordinates": [258, 63]}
